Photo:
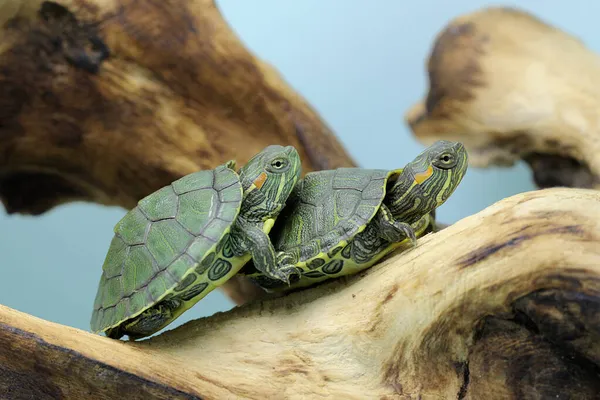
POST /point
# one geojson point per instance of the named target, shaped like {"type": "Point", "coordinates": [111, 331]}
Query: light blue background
{"type": "Point", "coordinates": [360, 63]}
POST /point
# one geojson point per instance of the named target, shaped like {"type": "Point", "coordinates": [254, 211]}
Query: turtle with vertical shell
{"type": "Point", "coordinates": [184, 240]}
{"type": "Point", "coordinates": [339, 222]}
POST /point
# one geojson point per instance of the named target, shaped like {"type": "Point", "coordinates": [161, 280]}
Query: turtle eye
{"type": "Point", "coordinates": [279, 165]}
{"type": "Point", "coordinates": [446, 160]}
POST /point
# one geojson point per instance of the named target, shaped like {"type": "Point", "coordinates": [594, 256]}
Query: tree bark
{"type": "Point", "coordinates": [108, 101]}
{"type": "Point", "coordinates": [530, 92]}
{"type": "Point", "coordinates": [502, 304]}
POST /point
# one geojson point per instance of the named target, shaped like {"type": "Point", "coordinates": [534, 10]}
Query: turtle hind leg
{"type": "Point", "coordinates": [150, 321]}
{"type": "Point", "coordinates": [391, 230]}
{"type": "Point", "coordinates": [115, 333]}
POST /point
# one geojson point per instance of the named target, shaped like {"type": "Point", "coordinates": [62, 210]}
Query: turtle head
{"type": "Point", "coordinates": [426, 182]}
{"type": "Point", "coordinates": [268, 179]}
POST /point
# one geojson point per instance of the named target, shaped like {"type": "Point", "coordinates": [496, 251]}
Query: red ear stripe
{"type": "Point", "coordinates": [423, 176]}
{"type": "Point", "coordinates": [260, 181]}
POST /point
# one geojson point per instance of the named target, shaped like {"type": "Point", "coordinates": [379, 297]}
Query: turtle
{"type": "Point", "coordinates": [184, 240]}
{"type": "Point", "coordinates": [339, 222]}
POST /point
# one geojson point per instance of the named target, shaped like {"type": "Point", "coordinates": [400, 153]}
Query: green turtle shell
{"type": "Point", "coordinates": [329, 209]}
{"type": "Point", "coordinates": [324, 213]}
{"type": "Point", "coordinates": [160, 245]}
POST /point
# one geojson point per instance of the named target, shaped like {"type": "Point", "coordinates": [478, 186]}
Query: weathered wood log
{"type": "Point", "coordinates": [512, 87]}
{"type": "Point", "coordinates": [108, 101]}
{"type": "Point", "coordinates": [502, 304]}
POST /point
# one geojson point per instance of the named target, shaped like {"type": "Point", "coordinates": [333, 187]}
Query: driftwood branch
{"type": "Point", "coordinates": [502, 304]}
{"type": "Point", "coordinates": [512, 87]}
{"type": "Point", "coordinates": [109, 101]}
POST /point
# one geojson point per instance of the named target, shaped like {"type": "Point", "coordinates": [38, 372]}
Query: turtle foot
{"type": "Point", "coordinates": [410, 234]}
{"type": "Point", "coordinates": [285, 259]}
{"type": "Point", "coordinates": [288, 274]}
{"type": "Point", "coordinates": [398, 231]}
{"type": "Point", "coordinates": [115, 333]}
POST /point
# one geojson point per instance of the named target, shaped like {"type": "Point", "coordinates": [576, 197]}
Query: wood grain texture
{"type": "Point", "coordinates": [504, 304]}
{"type": "Point", "coordinates": [108, 101]}
{"type": "Point", "coordinates": [526, 93]}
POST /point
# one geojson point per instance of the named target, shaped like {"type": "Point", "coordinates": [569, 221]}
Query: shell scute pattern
{"type": "Point", "coordinates": [160, 205]}
{"type": "Point", "coordinates": [158, 286]}
{"type": "Point", "coordinates": [167, 239]}
{"type": "Point", "coordinates": [133, 277]}
{"type": "Point", "coordinates": [114, 259]}
{"type": "Point", "coordinates": [161, 240]}
{"type": "Point", "coordinates": [133, 227]}
{"type": "Point", "coordinates": [338, 224]}
{"type": "Point", "coordinates": [196, 210]}
{"type": "Point", "coordinates": [319, 224]}
{"type": "Point", "coordinates": [187, 281]}
{"type": "Point", "coordinates": [334, 251]}
{"type": "Point", "coordinates": [350, 178]}
{"type": "Point", "coordinates": [205, 263]}
{"type": "Point", "coordinates": [310, 274]}
{"type": "Point", "coordinates": [333, 267]}
{"type": "Point", "coordinates": [219, 269]}
{"type": "Point", "coordinates": [181, 265]}
{"type": "Point", "coordinates": [197, 181]}
{"type": "Point", "coordinates": [194, 291]}
{"type": "Point", "coordinates": [214, 229]}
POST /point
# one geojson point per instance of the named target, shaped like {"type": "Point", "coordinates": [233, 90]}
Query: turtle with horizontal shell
{"type": "Point", "coordinates": [184, 240]}
{"type": "Point", "coordinates": [339, 222]}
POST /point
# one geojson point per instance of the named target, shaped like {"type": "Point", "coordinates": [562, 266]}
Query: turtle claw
{"type": "Point", "coordinates": [399, 231]}
{"type": "Point", "coordinates": [410, 234]}
{"type": "Point", "coordinates": [286, 270]}
{"type": "Point", "coordinates": [286, 273]}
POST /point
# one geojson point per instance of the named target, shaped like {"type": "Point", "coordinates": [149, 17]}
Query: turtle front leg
{"type": "Point", "coordinates": [392, 230]}
{"type": "Point", "coordinates": [263, 253]}
{"type": "Point", "coordinates": [285, 258]}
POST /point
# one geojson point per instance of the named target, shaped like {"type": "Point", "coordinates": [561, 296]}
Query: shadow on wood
{"type": "Point", "coordinates": [110, 101]}
{"type": "Point", "coordinates": [504, 303]}
{"type": "Point", "coordinates": [530, 92]}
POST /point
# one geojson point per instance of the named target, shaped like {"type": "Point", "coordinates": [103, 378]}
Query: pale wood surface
{"type": "Point", "coordinates": [503, 302]}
